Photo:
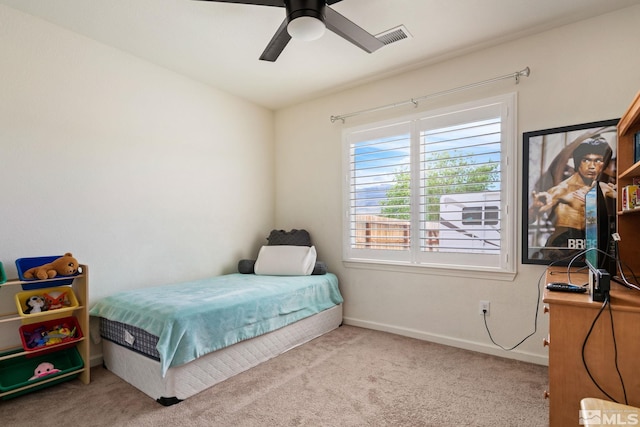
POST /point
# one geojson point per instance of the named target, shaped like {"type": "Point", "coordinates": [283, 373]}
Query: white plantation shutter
{"type": "Point", "coordinates": [377, 157]}
{"type": "Point", "coordinates": [433, 189]}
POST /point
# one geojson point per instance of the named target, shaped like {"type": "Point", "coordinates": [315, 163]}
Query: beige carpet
{"type": "Point", "coordinates": [349, 377]}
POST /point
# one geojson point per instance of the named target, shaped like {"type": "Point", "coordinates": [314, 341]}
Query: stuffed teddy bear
{"type": "Point", "coordinates": [66, 265]}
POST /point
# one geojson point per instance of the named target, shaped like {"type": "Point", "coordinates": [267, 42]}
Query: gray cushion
{"type": "Point", "coordinates": [245, 266]}
{"type": "Point", "coordinates": [293, 238]}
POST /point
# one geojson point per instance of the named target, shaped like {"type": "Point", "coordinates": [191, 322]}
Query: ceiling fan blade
{"type": "Point", "coordinates": [276, 44]}
{"type": "Point", "coordinates": [278, 3]}
{"type": "Point", "coordinates": [350, 31]}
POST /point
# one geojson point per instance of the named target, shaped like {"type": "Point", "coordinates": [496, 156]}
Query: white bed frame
{"type": "Point", "coordinates": [186, 380]}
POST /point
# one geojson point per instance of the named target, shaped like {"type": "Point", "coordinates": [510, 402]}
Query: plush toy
{"type": "Point", "coordinates": [35, 304]}
{"type": "Point", "coordinates": [56, 299]}
{"type": "Point", "coordinates": [35, 338]}
{"type": "Point", "coordinates": [41, 336]}
{"type": "Point", "coordinates": [59, 335]}
{"type": "Point", "coordinates": [64, 266]}
{"type": "Point", "coordinates": [43, 369]}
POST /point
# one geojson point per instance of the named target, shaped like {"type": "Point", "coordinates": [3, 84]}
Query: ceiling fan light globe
{"type": "Point", "coordinates": [306, 28]}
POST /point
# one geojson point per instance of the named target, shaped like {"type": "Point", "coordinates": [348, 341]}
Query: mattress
{"type": "Point", "coordinates": [184, 381]}
{"type": "Point", "coordinates": [136, 339]}
{"type": "Point", "coordinates": [195, 318]}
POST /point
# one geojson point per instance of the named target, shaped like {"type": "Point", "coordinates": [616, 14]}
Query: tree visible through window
{"type": "Point", "coordinates": [449, 175]}
{"type": "Point", "coordinates": [396, 204]}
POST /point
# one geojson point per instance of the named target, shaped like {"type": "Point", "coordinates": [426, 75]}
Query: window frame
{"type": "Point", "coordinates": [444, 263]}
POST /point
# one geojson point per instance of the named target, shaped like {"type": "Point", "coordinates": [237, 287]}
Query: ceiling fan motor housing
{"type": "Point", "coordinates": [299, 8]}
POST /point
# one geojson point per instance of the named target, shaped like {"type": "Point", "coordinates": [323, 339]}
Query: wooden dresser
{"type": "Point", "coordinates": [571, 317]}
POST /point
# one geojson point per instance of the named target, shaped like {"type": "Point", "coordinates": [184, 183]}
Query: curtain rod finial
{"type": "Point", "coordinates": [523, 73]}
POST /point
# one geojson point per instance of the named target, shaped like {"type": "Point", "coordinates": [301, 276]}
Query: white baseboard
{"type": "Point", "coordinates": [453, 342]}
{"type": "Point", "coordinates": [95, 360]}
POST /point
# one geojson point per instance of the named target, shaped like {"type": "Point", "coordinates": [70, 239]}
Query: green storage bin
{"type": "Point", "coordinates": [3, 276]}
{"type": "Point", "coordinates": [15, 372]}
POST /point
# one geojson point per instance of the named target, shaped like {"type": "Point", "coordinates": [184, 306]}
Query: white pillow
{"type": "Point", "coordinates": [284, 260]}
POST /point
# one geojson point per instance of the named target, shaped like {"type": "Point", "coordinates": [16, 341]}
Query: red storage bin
{"type": "Point", "coordinates": [52, 335]}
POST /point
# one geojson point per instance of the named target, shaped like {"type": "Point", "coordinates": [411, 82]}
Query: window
{"type": "Point", "coordinates": [436, 189]}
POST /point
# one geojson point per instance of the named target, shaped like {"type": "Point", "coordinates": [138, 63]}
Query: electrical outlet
{"type": "Point", "coordinates": [484, 308]}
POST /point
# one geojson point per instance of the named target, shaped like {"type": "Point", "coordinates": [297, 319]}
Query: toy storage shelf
{"type": "Point", "coordinates": [80, 288]}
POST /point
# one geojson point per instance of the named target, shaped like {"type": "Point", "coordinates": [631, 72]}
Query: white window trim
{"type": "Point", "coordinates": [507, 270]}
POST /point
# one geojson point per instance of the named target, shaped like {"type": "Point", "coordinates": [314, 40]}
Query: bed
{"type": "Point", "coordinates": [174, 341]}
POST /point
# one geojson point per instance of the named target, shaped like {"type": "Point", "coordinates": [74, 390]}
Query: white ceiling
{"type": "Point", "coordinates": [219, 43]}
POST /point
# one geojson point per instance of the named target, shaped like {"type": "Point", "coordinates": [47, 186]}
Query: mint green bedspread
{"type": "Point", "coordinates": [195, 318]}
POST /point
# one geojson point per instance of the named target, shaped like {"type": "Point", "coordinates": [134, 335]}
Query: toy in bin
{"type": "Point", "coordinates": [35, 304]}
{"type": "Point", "coordinates": [65, 265]}
{"type": "Point", "coordinates": [56, 270]}
{"type": "Point", "coordinates": [44, 369]}
{"type": "Point", "coordinates": [16, 373]}
{"type": "Point", "coordinates": [53, 332]}
{"type": "Point", "coordinates": [47, 301]}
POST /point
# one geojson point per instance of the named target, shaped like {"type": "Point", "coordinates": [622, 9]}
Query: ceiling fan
{"type": "Point", "coordinates": [307, 20]}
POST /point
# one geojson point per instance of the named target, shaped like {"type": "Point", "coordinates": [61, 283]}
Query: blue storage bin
{"type": "Point", "coordinates": [23, 264]}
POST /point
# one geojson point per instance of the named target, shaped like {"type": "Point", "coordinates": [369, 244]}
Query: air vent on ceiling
{"type": "Point", "coordinates": [394, 35]}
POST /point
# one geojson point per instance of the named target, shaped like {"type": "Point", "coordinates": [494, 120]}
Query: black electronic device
{"type": "Point", "coordinates": [599, 243]}
{"type": "Point", "coordinates": [565, 287]}
{"type": "Point", "coordinates": [600, 283]}
{"type": "Point", "coordinates": [600, 225]}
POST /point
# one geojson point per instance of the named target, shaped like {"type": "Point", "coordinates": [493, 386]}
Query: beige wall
{"type": "Point", "coordinates": [145, 175]}
{"type": "Point", "coordinates": [579, 73]}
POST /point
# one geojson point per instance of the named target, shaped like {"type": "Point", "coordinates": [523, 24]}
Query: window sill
{"type": "Point", "coordinates": [472, 272]}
